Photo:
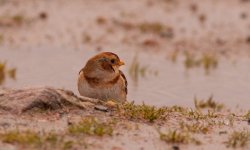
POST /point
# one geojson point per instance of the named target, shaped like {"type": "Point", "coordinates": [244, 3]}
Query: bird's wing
{"type": "Point", "coordinates": [126, 82]}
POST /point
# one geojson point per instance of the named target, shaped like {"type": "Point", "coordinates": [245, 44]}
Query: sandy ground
{"type": "Point", "coordinates": [205, 130]}
{"type": "Point", "coordinates": [152, 26]}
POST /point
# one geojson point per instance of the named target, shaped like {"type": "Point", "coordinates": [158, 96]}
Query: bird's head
{"type": "Point", "coordinates": [103, 64]}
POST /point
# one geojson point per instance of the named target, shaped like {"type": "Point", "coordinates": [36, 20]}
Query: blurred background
{"type": "Point", "coordinates": [174, 50]}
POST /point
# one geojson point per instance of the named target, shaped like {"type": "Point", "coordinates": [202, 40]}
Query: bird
{"type": "Point", "coordinates": [101, 78]}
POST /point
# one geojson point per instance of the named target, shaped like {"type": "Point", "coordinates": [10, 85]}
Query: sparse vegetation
{"type": "Point", "coordinates": [101, 20]}
{"type": "Point", "coordinates": [238, 139]}
{"type": "Point", "coordinates": [6, 72]}
{"type": "Point", "coordinates": [188, 123]}
{"type": "Point", "coordinates": [209, 103]}
{"type": "Point", "coordinates": [14, 20]}
{"type": "Point", "coordinates": [26, 138]}
{"type": "Point", "coordinates": [12, 73]}
{"type": "Point", "coordinates": [196, 127]}
{"type": "Point", "coordinates": [176, 108]}
{"type": "Point", "coordinates": [150, 43]}
{"type": "Point", "coordinates": [198, 115]}
{"type": "Point", "coordinates": [86, 38]}
{"type": "Point", "coordinates": [68, 145]}
{"type": "Point", "coordinates": [191, 113]}
{"type": "Point", "coordinates": [247, 115]}
{"type": "Point", "coordinates": [154, 27]}
{"type": "Point", "coordinates": [91, 126]}
{"type": "Point", "coordinates": [2, 72]}
{"type": "Point", "coordinates": [173, 56]}
{"type": "Point", "coordinates": [178, 137]}
{"type": "Point", "coordinates": [190, 60]}
{"type": "Point", "coordinates": [142, 112]}
{"type": "Point", "coordinates": [208, 61]}
{"type": "Point", "coordinates": [136, 70]}
{"type": "Point", "coordinates": [18, 19]}
{"type": "Point", "coordinates": [36, 140]}
{"type": "Point", "coordinates": [1, 38]}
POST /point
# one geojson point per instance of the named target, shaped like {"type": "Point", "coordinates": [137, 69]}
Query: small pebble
{"type": "Point", "coordinates": [69, 122]}
{"type": "Point", "coordinates": [169, 34]}
{"type": "Point", "coordinates": [176, 147]}
{"type": "Point", "coordinates": [43, 15]}
{"type": "Point", "coordinates": [243, 15]}
{"type": "Point", "coordinates": [101, 108]}
{"type": "Point", "coordinates": [99, 48]}
{"type": "Point", "coordinates": [223, 132]}
{"type": "Point", "coordinates": [248, 39]}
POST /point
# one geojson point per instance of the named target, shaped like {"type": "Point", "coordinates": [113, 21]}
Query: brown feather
{"type": "Point", "coordinates": [92, 81]}
{"type": "Point", "coordinates": [126, 82]}
{"type": "Point", "coordinates": [112, 82]}
{"type": "Point", "coordinates": [95, 81]}
{"type": "Point", "coordinates": [111, 54]}
{"type": "Point", "coordinates": [108, 67]}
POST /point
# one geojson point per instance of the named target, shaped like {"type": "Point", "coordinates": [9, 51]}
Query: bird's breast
{"type": "Point", "coordinates": [104, 91]}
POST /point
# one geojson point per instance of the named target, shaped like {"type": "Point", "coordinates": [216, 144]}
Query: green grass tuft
{"type": "Point", "coordinates": [26, 138]}
{"type": "Point", "coordinates": [35, 140]}
{"type": "Point", "coordinates": [144, 112]}
{"type": "Point", "coordinates": [92, 126]}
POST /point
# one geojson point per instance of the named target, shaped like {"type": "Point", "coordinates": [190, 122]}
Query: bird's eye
{"type": "Point", "coordinates": [112, 61]}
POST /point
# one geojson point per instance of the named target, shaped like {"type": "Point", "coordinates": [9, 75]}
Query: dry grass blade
{"type": "Point", "coordinates": [209, 103]}
{"type": "Point", "coordinates": [178, 137]}
{"type": "Point", "coordinates": [238, 139]}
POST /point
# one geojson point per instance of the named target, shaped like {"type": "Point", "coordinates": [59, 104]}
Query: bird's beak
{"type": "Point", "coordinates": [121, 63]}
